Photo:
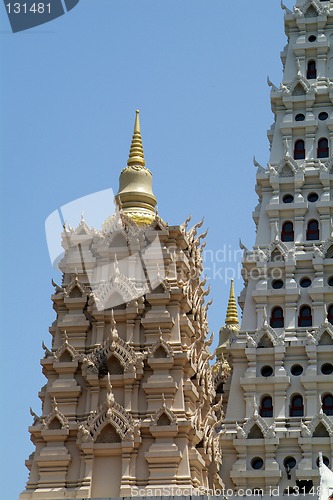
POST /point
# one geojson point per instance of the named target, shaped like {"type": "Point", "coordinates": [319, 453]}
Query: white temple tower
{"type": "Point", "coordinates": [280, 405]}
{"type": "Point", "coordinates": [128, 407]}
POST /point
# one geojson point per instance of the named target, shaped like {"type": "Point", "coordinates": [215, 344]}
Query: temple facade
{"type": "Point", "coordinates": [129, 405]}
{"type": "Point", "coordinates": [279, 397]}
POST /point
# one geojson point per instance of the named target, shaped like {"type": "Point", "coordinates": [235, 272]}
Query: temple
{"type": "Point", "coordinates": [279, 399]}
{"type": "Point", "coordinates": [129, 405]}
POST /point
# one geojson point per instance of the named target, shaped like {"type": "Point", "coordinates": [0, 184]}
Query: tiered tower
{"type": "Point", "coordinates": [129, 405]}
{"type": "Point", "coordinates": [280, 405]}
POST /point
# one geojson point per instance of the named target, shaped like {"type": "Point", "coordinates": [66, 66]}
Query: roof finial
{"type": "Point", "coordinates": [232, 314]}
{"type": "Point", "coordinates": [136, 155]}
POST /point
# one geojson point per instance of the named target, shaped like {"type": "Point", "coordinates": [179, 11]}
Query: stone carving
{"type": "Point", "coordinates": [56, 414]}
{"type": "Point", "coordinates": [320, 418]}
{"type": "Point", "coordinates": [113, 344]}
{"type": "Point", "coordinates": [110, 412]}
{"type": "Point", "coordinates": [66, 347]}
{"type": "Point", "coordinates": [161, 344]}
{"type": "Point", "coordinates": [164, 410]}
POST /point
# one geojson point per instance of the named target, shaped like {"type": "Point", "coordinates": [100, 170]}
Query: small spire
{"type": "Point", "coordinates": [232, 314]}
{"type": "Point", "coordinates": [136, 155]}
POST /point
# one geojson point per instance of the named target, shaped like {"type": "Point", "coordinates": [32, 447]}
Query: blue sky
{"type": "Point", "coordinates": [69, 89]}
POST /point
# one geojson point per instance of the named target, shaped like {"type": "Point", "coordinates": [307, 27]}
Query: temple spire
{"type": "Point", "coordinates": [135, 195]}
{"type": "Point", "coordinates": [136, 154]}
{"type": "Point", "coordinates": [232, 314]}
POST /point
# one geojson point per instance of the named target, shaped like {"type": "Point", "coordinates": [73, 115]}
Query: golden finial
{"type": "Point", "coordinates": [136, 155]}
{"type": "Point", "coordinates": [232, 314]}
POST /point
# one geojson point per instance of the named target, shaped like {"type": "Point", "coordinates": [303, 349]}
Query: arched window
{"type": "Point", "coordinates": [299, 150]}
{"type": "Point", "coordinates": [296, 408]}
{"type": "Point", "coordinates": [311, 73]}
{"type": "Point", "coordinates": [323, 149]}
{"type": "Point", "coordinates": [305, 316]}
{"type": "Point", "coordinates": [266, 407]}
{"type": "Point", "coordinates": [287, 233]}
{"type": "Point", "coordinates": [327, 404]}
{"type": "Point", "coordinates": [312, 232]}
{"type": "Point", "coordinates": [277, 319]}
{"type": "Point", "coordinates": [330, 314]}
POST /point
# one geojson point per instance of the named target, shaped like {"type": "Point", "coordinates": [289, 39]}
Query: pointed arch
{"type": "Point", "coordinates": [268, 337]}
{"type": "Point", "coordinates": [260, 422]}
{"type": "Point", "coordinates": [75, 289]}
{"type": "Point", "coordinates": [164, 415]}
{"type": "Point", "coordinates": [113, 414]}
{"type": "Point", "coordinates": [66, 352]}
{"type": "Point", "coordinates": [323, 419]}
{"type": "Point", "coordinates": [324, 334]}
{"type": "Point", "coordinates": [161, 349]}
{"type": "Point", "coordinates": [299, 89]}
{"type": "Point", "coordinates": [117, 289]}
{"type": "Point", "coordinates": [114, 351]}
{"type": "Point", "coordinates": [56, 419]}
{"type": "Point", "coordinates": [255, 432]}
{"type": "Point", "coordinates": [108, 434]}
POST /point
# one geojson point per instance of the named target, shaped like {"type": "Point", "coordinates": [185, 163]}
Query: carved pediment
{"type": "Point", "coordinates": [112, 417]}
{"type": "Point", "coordinates": [276, 249]}
{"type": "Point", "coordinates": [288, 167]}
{"type": "Point", "coordinates": [55, 420]}
{"type": "Point", "coordinates": [325, 250]}
{"type": "Point", "coordinates": [298, 87]}
{"type": "Point", "coordinates": [66, 352]}
{"type": "Point", "coordinates": [75, 289]}
{"type": "Point", "coordinates": [318, 424]}
{"type": "Point", "coordinates": [164, 416]}
{"type": "Point", "coordinates": [161, 349]}
{"type": "Point", "coordinates": [260, 423]}
{"type": "Point", "coordinates": [129, 360]}
{"type": "Point", "coordinates": [311, 8]}
{"type": "Point", "coordinates": [266, 332]}
{"type": "Point", "coordinates": [117, 289]}
{"type": "Point", "coordinates": [323, 331]}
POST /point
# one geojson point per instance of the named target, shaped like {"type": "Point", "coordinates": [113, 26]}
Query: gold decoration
{"type": "Point", "coordinates": [232, 314]}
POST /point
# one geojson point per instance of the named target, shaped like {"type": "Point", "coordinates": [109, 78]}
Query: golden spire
{"type": "Point", "coordinates": [232, 314]}
{"type": "Point", "coordinates": [136, 155]}
{"type": "Point", "coordinates": [135, 194]}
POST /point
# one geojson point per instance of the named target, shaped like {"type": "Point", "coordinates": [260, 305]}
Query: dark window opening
{"type": "Point", "coordinates": [299, 150]}
{"type": "Point", "coordinates": [323, 149]}
{"type": "Point", "coordinates": [300, 117]}
{"type": "Point", "coordinates": [266, 371]}
{"type": "Point", "coordinates": [277, 318]}
{"type": "Point", "coordinates": [330, 314]}
{"type": "Point", "coordinates": [311, 73]}
{"type": "Point", "coordinates": [296, 408]}
{"type": "Point", "coordinates": [288, 198]}
{"type": "Point", "coordinates": [287, 233]}
{"type": "Point", "coordinates": [327, 368]}
{"type": "Point", "coordinates": [305, 316]}
{"type": "Point", "coordinates": [277, 284]}
{"type": "Point", "coordinates": [257, 463]}
{"type": "Point", "coordinates": [312, 232]}
{"type": "Point", "coordinates": [305, 282]}
{"type": "Point", "coordinates": [266, 407]}
{"type": "Point", "coordinates": [323, 116]}
{"type": "Point", "coordinates": [296, 370]}
{"type": "Point", "coordinates": [327, 404]}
